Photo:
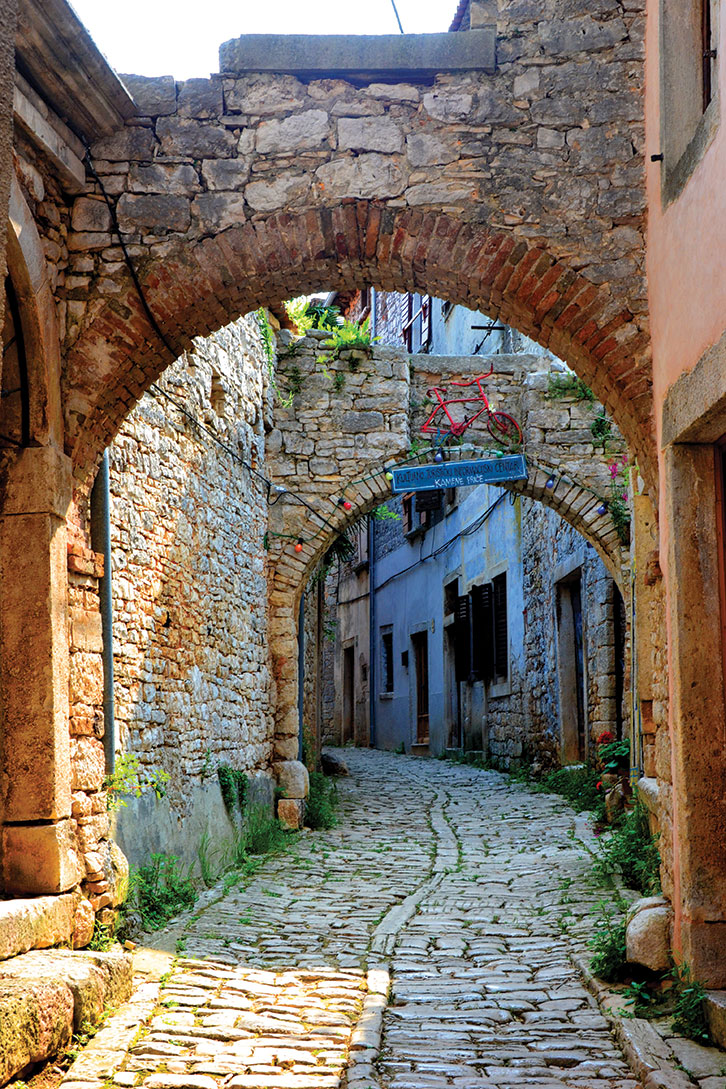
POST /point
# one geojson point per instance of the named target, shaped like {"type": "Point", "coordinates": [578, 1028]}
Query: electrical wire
{"type": "Point", "coordinates": [398, 17]}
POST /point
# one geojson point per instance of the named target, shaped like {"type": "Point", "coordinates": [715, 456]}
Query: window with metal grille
{"type": "Point", "coordinates": [387, 659]}
{"type": "Point", "coordinates": [501, 631]}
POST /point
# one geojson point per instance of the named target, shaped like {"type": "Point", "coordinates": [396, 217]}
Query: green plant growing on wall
{"type": "Point", "coordinates": [269, 344]}
{"type": "Point", "coordinates": [338, 381]}
{"type": "Point", "coordinates": [160, 890]}
{"type": "Point", "coordinates": [568, 386]}
{"type": "Point", "coordinates": [308, 314]}
{"type": "Point", "coordinates": [130, 777]}
{"type": "Point", "coordinates": [233, 784]}
{"type": "Point", "coordinates": [618, 503]}
{"type": "Point", "coordinates": [322, 801]}
{"type": "Point", "coordinates": [384, 514]}
{"type": "Point", "coordinates": [608, 943]}
{"type": "Point", "coordinates": [689, 1013]}
{"type": "Point", "coordinates": [602, 429]}
{"type": "Point", "coordinates": [294, 381]}
{"type": "Point", "coordinates": [631, 851]}
{"type": "Point", "coordinates": [349, 336]}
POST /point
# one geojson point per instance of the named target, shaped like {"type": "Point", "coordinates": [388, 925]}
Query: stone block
{"type": "Point", "coordinates": [158, 213]}
{"type": "Point", "coordinates": [291, 813]}
{"type": "Point", "coordinates": [370, 134]}
{"type": "Point", "coordinates": [280, 192]}
{"type": "Point", "coordinates": [648, 933]}
{"type": "Point", "coordinates": [37, 1022]}
{"type": "Point", "coordinates": [83, 924]}
{"type": "Point", "coordinates": [179, 179]}
{"type": "Point", "coordinates": [218, 211]}
{"type": "Point", "coordinates": [303, 131]}
{"type": "Point", "coordinates": [425, 149]}
{"type": "Point", "coordinates": [35, 924]}
{"type": "Point", "coordinates": [130, 143]}
{"type": "Point", "coordinates": [367, 176]}
{"type": "Point", "coordinates": [200, 98]}
{"type": "Point", "coordinates": [86, 631]}
{"type": "Point", "coordinates": [94, 979]}
{"type": "Point", "coordinates": [39, 859]}
{"type": "Point", "coordinates": [225, 173]}
{"type": "Point", "coordinates": [155, 96]}
{"type": "Point", "coordinates": [88, 763]}
{"type": "Point", "coordinates": [292, 778]}
{"type": "Point", "coordinates": [90, 214]}
{"type": "Point", "coordinates": [186, 138]}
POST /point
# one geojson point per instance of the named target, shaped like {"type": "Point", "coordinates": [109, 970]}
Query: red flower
{"type": "Point", "coordinates": [605, 737]}
{"type": "Point", "coordinates": [598, 785]}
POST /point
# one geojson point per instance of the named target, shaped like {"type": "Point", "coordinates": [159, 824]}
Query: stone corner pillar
{"type": "Point", "coordinates": [35, 784]}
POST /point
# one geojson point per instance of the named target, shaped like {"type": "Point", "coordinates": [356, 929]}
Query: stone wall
{"type": "Point", "coordinates": [553, 551]}
{"type": "Point", "coordinates": [189, 581]}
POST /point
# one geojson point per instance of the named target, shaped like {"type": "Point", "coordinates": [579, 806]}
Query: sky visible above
{"type": "Point", "coordinates": [182, 37]}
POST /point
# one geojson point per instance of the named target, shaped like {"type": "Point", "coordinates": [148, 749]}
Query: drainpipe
{"type": "Point", "coordinates": [101, 538]}
{"type": "Point", "coordinates": [372, 631]}
{"type": "Point", "coordinates": [373, 313]}
{"type": "Point", "coordinates": [300, 674]}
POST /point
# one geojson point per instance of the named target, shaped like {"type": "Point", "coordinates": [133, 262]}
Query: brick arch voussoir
{"type": "Point", "coordinates": [195, 289]}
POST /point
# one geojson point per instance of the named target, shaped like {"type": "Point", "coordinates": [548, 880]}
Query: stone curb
{"type": "Point", "coordinates": [646, 1052]}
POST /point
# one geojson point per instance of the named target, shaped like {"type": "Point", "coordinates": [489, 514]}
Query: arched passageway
{"type": "Point", "coordinates": [335, 442]}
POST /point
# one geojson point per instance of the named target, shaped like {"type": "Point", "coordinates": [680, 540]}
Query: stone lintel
{"type": "Point", "coordinates": [353, 56]}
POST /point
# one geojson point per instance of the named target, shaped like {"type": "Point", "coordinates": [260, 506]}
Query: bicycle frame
{"type": "Point", "coordinates": [440, 394]}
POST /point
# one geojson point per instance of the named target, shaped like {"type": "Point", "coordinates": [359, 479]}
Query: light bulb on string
{"type": "Point", "coordinates": [299, 544]}
{"type": "Point", "coordinates": [602, 509]}
{"type": "Point", "coordinates": [438, 457]}
{"type": "Point", "coordinates": [345, 503]}
{"type": "Point", "coordinates": [550, 483]}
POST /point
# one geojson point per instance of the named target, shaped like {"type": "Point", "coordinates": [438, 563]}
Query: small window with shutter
{"type": "Point", "coordinates": [501, 629]}
{"type": "Point", "coordinates": [462, 638]}
{"type": "Point", "coordinates": [482, 634]}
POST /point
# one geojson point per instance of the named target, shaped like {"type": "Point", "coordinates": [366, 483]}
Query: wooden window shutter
{"type": "Point", "coordinates": [501, 637]}
{"type": "Point", "coordinates": [482, 631]}
{"type": "Point", "coordinates": [462, 638]}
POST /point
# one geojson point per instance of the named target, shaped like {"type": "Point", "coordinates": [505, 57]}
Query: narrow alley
{"type": "Point", "coordinates": [456, 885]}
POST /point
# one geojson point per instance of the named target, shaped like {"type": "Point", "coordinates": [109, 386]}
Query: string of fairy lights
{"type": "Point", "coordinates": [438, 451]}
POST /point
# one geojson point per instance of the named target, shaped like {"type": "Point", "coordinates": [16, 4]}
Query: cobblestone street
{"type": "Point", "coordinates": [458, 889]}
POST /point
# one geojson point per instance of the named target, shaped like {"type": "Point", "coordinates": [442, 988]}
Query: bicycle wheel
{"type": "Point", "coordinates": [504, 428]}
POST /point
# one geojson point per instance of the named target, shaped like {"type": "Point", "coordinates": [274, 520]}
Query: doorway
{"type": "Point", "coordinates": [420, 644]}
{"type": "Point", "coordinates": [348, 724]}
{"type": "Point", "coordinates": [453, 691]}
{"type": "Point", "coordinates": [571, 669]}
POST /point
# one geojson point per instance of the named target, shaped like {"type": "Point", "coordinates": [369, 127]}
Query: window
{"type": "Point", "coordinates": [416, 330]}
{"type": "Point", "coordinates": [501, 629]}
{"type": "Point", "coordinates": [689, 87]}
{"type": "Point", "coordinates": [451, 593]}
{"type": "Point", "coordinates": [482, 623]}
{"type": "Point", "coordinates": [386, 659]}
{"type": "Point", "coordinates": [417, 515]}
{"type": "Point", "coordinates": [462, 637]}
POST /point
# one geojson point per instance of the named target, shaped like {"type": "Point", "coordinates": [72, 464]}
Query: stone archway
{"type": "Point", "coordinates": [351, 419]}
{"type": "Point", "coordinates": [490, 175]}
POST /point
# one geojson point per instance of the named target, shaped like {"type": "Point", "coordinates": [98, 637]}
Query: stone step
{"type": "Point", "coordinates": [47, 996]}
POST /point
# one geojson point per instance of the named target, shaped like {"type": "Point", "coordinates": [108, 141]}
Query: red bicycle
{"type": "Point", "coordinates": [500, 425]}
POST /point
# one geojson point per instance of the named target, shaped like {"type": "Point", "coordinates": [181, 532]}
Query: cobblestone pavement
{"type": "Point", "coordinates": [442, 909]}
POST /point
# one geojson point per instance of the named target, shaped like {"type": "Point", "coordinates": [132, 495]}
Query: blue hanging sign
{"type": "Point", "coordinates": [458, 474]}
